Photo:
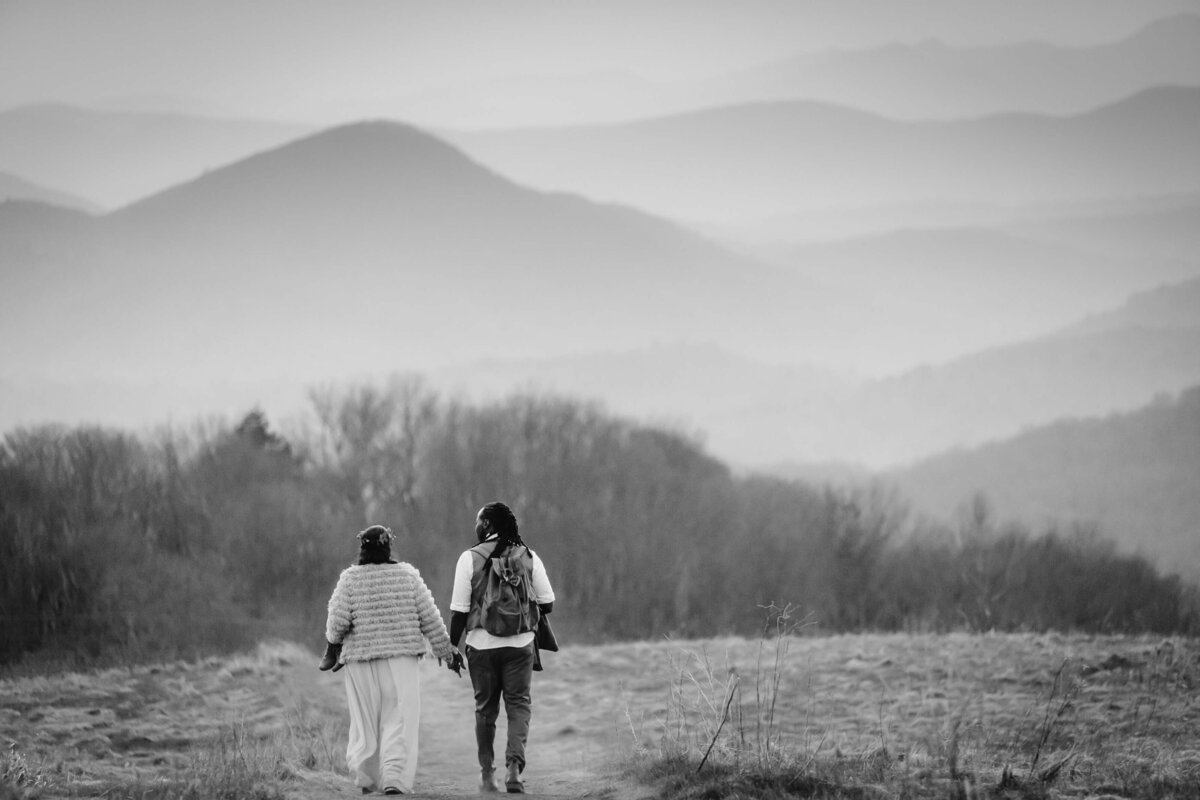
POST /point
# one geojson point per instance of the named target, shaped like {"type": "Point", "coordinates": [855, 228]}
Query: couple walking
{"type": "Point", "coordinates": [381, 615]}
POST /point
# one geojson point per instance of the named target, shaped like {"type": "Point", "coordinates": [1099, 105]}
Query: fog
{"type": "Point", "coordinates": [324, 63]}
{"type": "Point", "coordinates": [815, 225]}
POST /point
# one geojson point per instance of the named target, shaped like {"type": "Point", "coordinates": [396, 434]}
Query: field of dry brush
{"type": "Point", "coordinates": [908, 715]}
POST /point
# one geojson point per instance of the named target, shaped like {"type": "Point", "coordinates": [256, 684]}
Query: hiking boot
{"type": "Point", "coordinates": [330, 659]}
{"type": "Point", "coordinates": [488, 782]}
{"type": "Point", "coordinates": [512, 779]}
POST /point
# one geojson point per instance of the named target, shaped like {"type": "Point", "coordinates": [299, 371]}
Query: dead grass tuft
{"type": "Point", "coordinates": [19, 778]}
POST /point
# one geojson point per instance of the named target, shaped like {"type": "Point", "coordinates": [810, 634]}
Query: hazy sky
{"type": "Point", "coordinates": [326, 62]}
{"type": "Point", "coordinates": [336, 61]}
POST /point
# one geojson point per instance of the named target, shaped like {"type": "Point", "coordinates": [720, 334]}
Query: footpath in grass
{"type": "Point", "coordinates": [265, 725]}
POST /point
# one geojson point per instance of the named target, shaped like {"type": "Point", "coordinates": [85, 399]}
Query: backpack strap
{"type": "Point", "coordinates": [490, 547]}
{"type": "Point", "coordinates": [482, 555]}
{"type": "Point", "coordinates": [484, 552]}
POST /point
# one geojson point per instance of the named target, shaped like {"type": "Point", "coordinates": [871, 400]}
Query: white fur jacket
{"type": "Point", "coordinates": [384, 610]}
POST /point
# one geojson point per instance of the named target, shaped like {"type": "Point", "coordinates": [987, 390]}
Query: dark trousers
{"type": "Point", "coordinates": [501, 672]}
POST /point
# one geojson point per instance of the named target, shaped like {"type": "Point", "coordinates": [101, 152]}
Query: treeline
{"type": "Point", "coordinates": [192, 542]}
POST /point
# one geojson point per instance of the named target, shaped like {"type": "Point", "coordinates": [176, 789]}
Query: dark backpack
{"type": "Point", "coordinates": [502, 588]}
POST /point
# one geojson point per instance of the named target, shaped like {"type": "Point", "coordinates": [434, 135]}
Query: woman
{"type": "Point", "coordinates": [381, 614]}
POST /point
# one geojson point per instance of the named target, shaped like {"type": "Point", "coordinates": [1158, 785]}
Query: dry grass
{"type": "Point", "coordinates": [219, 728]}
{"type": "Point", "coordinates": [929, 716]}
{"type": "Point", "coordinates": [861, 716]}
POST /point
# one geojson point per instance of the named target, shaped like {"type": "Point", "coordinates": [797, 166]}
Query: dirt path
{"type": "Point", "coordinates": [93, 734]}
{"type": "Point", "coordinates": [565, 761]}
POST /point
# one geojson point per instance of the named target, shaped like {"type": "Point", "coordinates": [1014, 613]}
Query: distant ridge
{"type": "Point", "coordinates": [13, 187]}
{"type": "Point", "coordinates": [772, 159]}
{"type": "Point", "coordinates": [1109, 364]}
{"type": "Point", "coordinates": [933, 80]}
{"type": "Point", "coordinates": [1163, 228]}
{"type": "Point", "coordinates": [1175, 306]}
{"type": "Point", "coordinates": [913, 81]}
{"type": "Point", "coordinates": [1135, 473]}
{"type": "Point", "coordinates": [778, 414]}
{"type": "Point", "coordinates": [946, 291]}
{"type": "Point", "coordinates": [113, 158]}
{"type": "Point", "coordinates": [375, 245]}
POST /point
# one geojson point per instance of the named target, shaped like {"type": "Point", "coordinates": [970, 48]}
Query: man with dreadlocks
{"type": "Point", "coordinates": [500, 665]}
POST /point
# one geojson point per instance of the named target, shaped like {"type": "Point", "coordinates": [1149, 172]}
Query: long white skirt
{"type": "Point", "coordinates": [384, 696]}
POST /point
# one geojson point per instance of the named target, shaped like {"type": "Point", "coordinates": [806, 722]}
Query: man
{"type": "Point", "coordinates": [500, 665]}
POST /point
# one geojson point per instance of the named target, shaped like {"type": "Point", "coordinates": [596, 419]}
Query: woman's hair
{"type": "Point", "coordinates": [503, 521]}
{"type": "Point", "coordinates": [375, 545]}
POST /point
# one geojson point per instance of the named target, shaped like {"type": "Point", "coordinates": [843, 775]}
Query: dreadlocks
{"type": "Point", "coordinates": [503, 521]}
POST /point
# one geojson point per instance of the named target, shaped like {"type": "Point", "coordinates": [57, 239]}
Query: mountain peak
{"type": "Point", "coordinates": [372, 132]}
{"type": "Point", "coordinates": [370, 162]}
{"type": "Point", "coordinates": [374, 144]}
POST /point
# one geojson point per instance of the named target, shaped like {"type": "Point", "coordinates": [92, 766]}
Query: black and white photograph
{"type": "Point", "coordinates": [825, 372]}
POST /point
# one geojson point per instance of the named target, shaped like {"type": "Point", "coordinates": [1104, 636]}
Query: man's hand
{"type": "Point", "coordinates": [454, 663]}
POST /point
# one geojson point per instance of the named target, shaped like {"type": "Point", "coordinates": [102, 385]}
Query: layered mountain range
{"type": "Point", "coordinates": [814, 266]}
{"type": "Point", "coordinates": [934, 80]}
{"type": "Point", "coordinates": [769, 415]}
{"type": "Point", "coordinates": [736, 164]}
{"type": "Point", "coordinates": [370, 246]}
{"type": "Point", "coordinates": [919, 80]}
{"type": "Point", "coordinates": [113, 158]}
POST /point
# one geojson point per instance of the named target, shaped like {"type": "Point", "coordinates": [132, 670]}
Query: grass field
{"type": "Point", "coordinates": [957, 715]}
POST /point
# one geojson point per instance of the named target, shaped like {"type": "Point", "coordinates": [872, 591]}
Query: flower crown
{"type": "Point", "coordinates": [378, 534]}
